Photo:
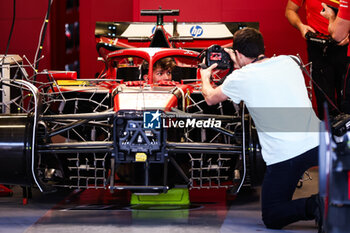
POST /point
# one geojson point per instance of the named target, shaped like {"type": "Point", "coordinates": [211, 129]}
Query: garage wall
{"type": "Point", "coordinates": [25, 37]}
{"type": "Point", "coordinates": [90, 12]}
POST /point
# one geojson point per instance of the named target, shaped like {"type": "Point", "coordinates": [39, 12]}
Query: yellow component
{"type": "Point", "coordinates": [46, 20]}
{"type": "Point", "coordinates": [335, 1]}
{"type": "Point", "coordinates": [188, 102]}
{"type": "Point", "coordinates": [140, 157]}
{"type": "Point", "coordinates": [175, 196]}
{"type": "Point", "coordinates": [71, 82]}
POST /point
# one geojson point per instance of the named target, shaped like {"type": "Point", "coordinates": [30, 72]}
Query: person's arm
{"type": "Point", "coordinates": [211, 95]}
{"type": "Point", "coordinates": [338, 28]}
{"type": "Point", "coordinates": [291, 14]}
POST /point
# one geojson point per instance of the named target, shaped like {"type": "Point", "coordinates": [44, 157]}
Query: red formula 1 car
{"type": "Point", "coordinates": [122, 130]}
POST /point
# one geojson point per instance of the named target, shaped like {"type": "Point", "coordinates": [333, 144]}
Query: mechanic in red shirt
{"type": "Point", "coordinates": [328, 60]}
{"type": "Point", "coordinates": [339, 28]}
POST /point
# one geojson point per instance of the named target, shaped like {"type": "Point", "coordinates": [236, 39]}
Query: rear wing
{"type": "Point", "coordinates": [197, 36]}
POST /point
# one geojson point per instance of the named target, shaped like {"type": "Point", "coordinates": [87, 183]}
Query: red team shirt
{"type": "Point", "coordinates": [313, 17]}
{"type": "Point", "coordinates": [344, 11]}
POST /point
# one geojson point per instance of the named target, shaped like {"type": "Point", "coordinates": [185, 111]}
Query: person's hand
{"type": "Point", "coordinates": [231, 53]}
{"type": "Point", "coordinates": [344, 42]}
{"type": "Point", "coordinates": [304, 29]}
{"type": "Point", "coordinates": [206, 73]}
{"type": "Point", "coordinates": [327, 12]}
{"type": "Point", "coordinates": [234, 58]}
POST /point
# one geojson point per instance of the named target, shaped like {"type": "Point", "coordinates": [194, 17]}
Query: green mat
{"type": "Point", "coordinates": [175, 196]}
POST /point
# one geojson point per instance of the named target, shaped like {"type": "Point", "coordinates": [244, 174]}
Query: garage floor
{"type": "Point", "coordinates": [90, 211]}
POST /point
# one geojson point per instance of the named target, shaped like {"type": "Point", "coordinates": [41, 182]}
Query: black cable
{"type": "Point", "coordinates": [39, 49]}
{"type": "Point", "coordinates": [12, 26]}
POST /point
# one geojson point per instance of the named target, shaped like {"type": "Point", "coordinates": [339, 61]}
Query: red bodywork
{"type": "Point", "coordinates": [153, 96]}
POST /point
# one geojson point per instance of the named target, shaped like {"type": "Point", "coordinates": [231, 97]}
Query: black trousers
{"type": "Point", "coordinates": [345, 102]}
{"type": "Point", "coordinates": [280, 181]}
{"type": "Point", "coordinates": [329, 63]}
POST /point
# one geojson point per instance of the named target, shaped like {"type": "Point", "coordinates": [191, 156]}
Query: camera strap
{"type": "Point", "coordinates": [313, 81]}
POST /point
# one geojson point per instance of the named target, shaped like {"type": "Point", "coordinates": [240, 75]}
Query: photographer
{"type": "Point", "coordinates": [273, 85]}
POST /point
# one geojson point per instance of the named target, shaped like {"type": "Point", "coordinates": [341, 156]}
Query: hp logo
{"type": "Point", "coordinates": [196, 31]}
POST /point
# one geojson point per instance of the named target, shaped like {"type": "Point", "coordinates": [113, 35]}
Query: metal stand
{"type": "Point", "coordinates": [5, 68]}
